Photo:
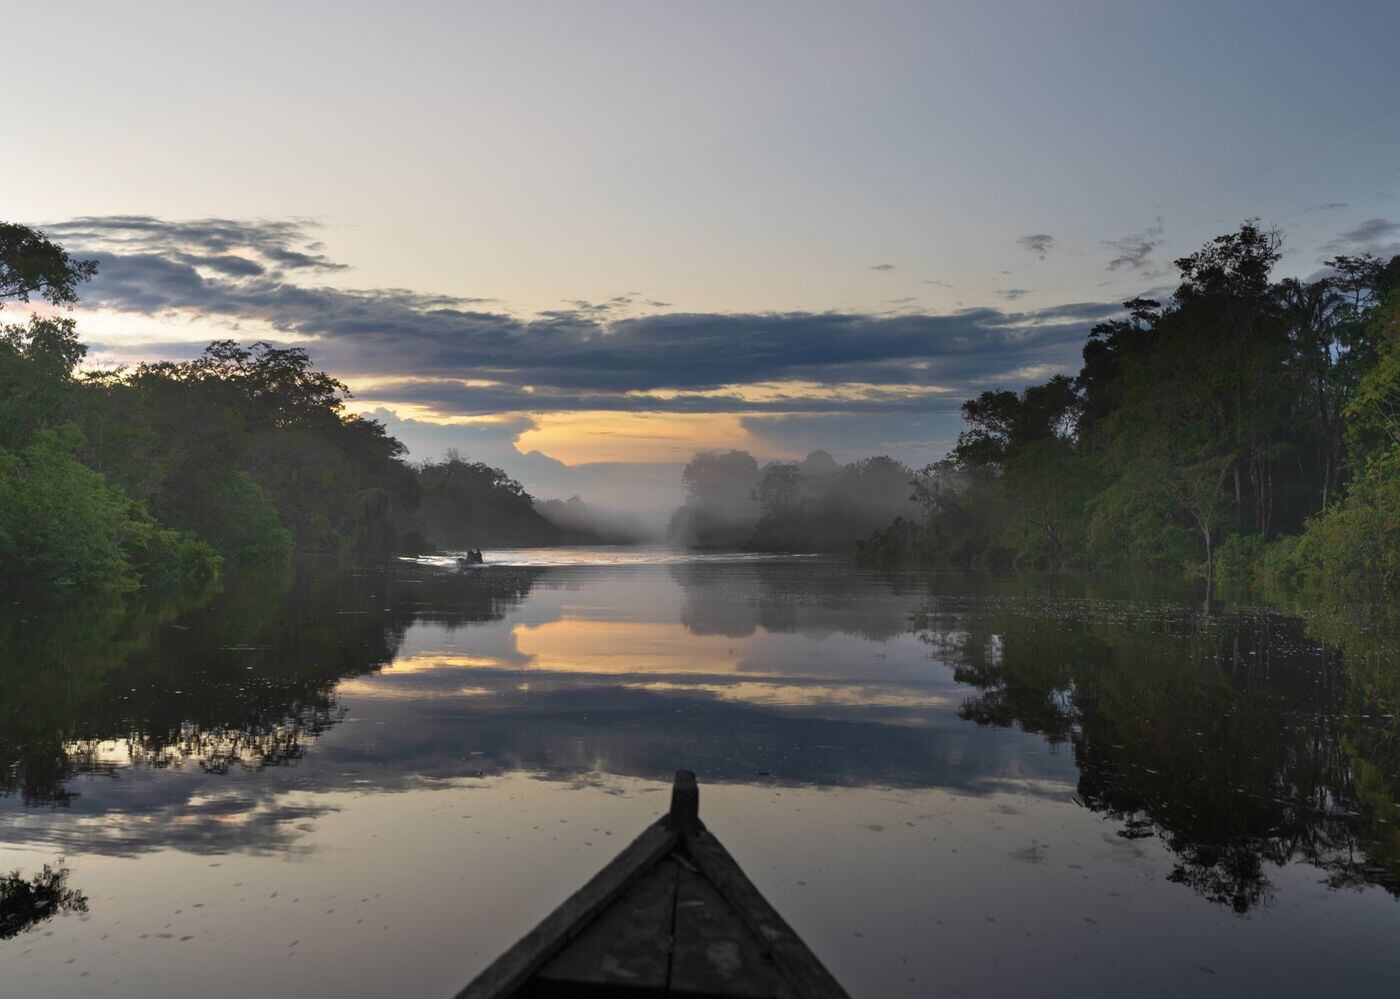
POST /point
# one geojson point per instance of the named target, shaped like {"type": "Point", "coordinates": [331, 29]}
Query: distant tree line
{"type": "Point", "coordinates": [161, 473]}
{"type": "Point", "coordinates": [1247, 427]}
{"type": "Point", "coordinates": [582, 523]}
{"type": "Point", "coordinates": [813, 505]}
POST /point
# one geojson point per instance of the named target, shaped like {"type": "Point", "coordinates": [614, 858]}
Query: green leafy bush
{"type": "Point", "coordinates": [62, 524]}
{"type": "Point", "coordinates": [1352, 549]}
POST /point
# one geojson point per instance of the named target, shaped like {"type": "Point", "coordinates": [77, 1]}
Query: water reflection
{"type": "Point", "coordinates": [27, 902]}
{"type": "Point", "coordinates": [814, 599]}
{"type": "Point", "coordinates": [1242, 742]}
{"type": "Point", "coordinates": [245, 682]}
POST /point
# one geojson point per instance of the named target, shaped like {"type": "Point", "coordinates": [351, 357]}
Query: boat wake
{"type": "Point", "coordinates": [599, 555]}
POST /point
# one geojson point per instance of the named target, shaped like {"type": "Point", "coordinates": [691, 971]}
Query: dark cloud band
{"type": "Point", "coordinates": [579, 358]}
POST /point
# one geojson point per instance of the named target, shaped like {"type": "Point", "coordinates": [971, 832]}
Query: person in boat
{"type": "Point", "coordinates": [473, 558]}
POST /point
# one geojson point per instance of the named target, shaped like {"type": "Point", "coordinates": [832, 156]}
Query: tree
{"type": "Point", "coordinates": [1314, 311]}
{"type": "Point", "coordinates": [1024, 448]}
{"type": "Point", "coordinates": [37, 387]}
{"type": "Point", "coordinates": [721, 505]}
{"type": "Point", "coordinates": [1225, 331]}
{"type": "Point", "coordinates": [31, 264]}
{"type": "Point", "coordinates": [62, 524]}
{"type": "Point", "coordinates": [469, 504]}
{"type": "Point", "coordinates": [1373, 433]}
{"type": "Point", "coordinates": [1001, 424]}
{"type": "Point", "coordinates": [243, 431]}
{"type": "Point", "coordinates": [1109, 347]}
{"type": "Point", "coordinates": [1353, 547]}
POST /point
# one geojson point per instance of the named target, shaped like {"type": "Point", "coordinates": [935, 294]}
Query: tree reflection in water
{"type": "Point", "coordinates": [1242, 741]}
{"type": "Point", "coordinates": [25, 904]}
{"type": "Point", "coordinates": [245, 681]}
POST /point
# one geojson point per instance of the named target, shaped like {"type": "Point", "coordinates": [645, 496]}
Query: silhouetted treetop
{"type": "Point", "coordinates": [31, 264]}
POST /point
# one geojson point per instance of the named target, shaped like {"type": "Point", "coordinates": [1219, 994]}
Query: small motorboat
{"type": "Point", "coordinates": [472, 560]}
{"type": "Point", "coordinates": [672, 915]}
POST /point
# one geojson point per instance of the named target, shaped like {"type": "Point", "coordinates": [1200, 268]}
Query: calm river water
{"type": "Point", "coordinates": [372, 782]}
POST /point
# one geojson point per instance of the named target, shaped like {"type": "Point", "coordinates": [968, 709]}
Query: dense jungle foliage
{"type": "Point", "coordinates": [1247, 427]}
{"type": "Point", "coordinates": [161, 473]}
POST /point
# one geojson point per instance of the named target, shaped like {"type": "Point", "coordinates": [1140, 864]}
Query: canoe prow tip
{"type": "Point", "coordinates": [626, 911]}
{"type": "Point", "coordinates": [685, 802]}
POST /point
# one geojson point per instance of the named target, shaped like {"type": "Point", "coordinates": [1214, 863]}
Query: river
{"type": "Point", "coordinates": [371, 781]}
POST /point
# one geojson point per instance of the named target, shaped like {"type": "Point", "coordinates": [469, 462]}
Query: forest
{"type": "Point", "coordinates": [1247, 428]}
{"type": "Point", "coordinates": [162, 474]}
{"type": "Point", "coordinates": [813, 505]}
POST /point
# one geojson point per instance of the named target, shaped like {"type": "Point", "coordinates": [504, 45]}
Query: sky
{"type": "Point", "coordinates": [583, 240]}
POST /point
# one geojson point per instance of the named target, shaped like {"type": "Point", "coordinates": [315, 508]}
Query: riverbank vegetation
{"type": "Point", "coordinates": [1248, 426]}
{"type": "Point", "coordinates": [163, 473]}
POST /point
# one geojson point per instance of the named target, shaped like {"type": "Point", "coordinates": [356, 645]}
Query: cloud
{"type": "Point", "coordinates": [1134, 251]}
{"type": "Point", "coordinates": [1039, 243]}
{"type": "Point", "coordinates": [455, 356]}
{"type": "Point", "coordinates": [1371, 231]}
{"type": "Point", "coordinates": [937, 427]}
{"type": "Point", "coordinates": [232, 246]}
{"type": "Point", "coordinates": [940, 284]}
{"type": "Point", "coordinates": [1011, 294]}
{"type": "Point", "coordinates": [462, 398]}
{"type": "Point", "coordinates": [1330, 206]}
{"type": "Point", "coordinates": [882, 267]}
{"type": "Point", "coordinates": [1371, 236]}
{"type": "Point", "coordinates": [641, 486]}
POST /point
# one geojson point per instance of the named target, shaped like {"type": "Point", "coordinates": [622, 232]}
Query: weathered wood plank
{"type": "Point", "coordinates": [715, 953]}
{"type": "Point", "coordinates": [793, 957]}
{"type": "Point", "coordinates": [719, 936]}
{"type": "Point", "coordinates": [509, 971]}
{"type": "Point", "coordinates": [629, 945]}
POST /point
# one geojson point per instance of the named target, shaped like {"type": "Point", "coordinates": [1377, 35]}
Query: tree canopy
{"type": "Point", "coordinates": [1244, 412]}
{"type": "Point", "coordinates": [244, 454]}
{"type": "Point", "coordinates": [31, 264]}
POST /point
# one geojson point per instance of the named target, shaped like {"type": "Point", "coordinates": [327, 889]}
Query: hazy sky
{"type": "Point", "coordinates": [567, 236]}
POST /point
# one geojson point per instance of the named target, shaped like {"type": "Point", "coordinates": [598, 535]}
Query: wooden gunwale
{"type": "Point", "coordinates": [678, 832]}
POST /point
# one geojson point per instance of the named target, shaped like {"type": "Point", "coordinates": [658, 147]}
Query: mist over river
{"type": "Point", "coordinates": [372, 781]}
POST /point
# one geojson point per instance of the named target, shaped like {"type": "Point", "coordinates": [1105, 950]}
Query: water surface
{"type": "Point", "coordinates": [359, 782]}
